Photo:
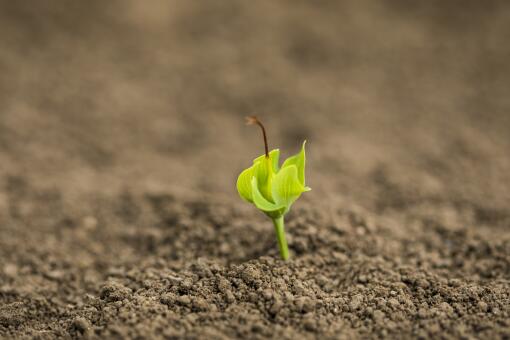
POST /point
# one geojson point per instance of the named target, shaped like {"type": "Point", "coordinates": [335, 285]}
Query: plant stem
{"type": "Point", "coordinates": [280, 235]}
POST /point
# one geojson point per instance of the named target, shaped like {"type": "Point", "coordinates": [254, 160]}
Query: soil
{"type": "Point", "coordinates": [121, 136]}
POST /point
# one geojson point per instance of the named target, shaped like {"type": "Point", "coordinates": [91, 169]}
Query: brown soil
{"type": "Point", "coordinates": [121, 136]}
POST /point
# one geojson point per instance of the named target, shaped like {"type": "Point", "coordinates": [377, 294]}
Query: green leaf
{"type": "Point", "coordinates": [286, 186]}
{"type": "Point", "coordinates": [264, 170]}
{"type": "Point", "coordinates": [244, 184]}
{"type": "Point", "coordinates": [271, 209]}
{"type": "Point", "coordinates": [261, 171]}
{"type": "Point", "coordinates": [274, 156]}
{"type": "Point", "coordinates": [299, 161]}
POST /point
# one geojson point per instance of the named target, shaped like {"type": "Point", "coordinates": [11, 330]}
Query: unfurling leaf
{"type": "Point", "coordinates": [270, 188]}
{"type": "Point", "coordinates": [244, 184]}
{"type": "Point", "coordinates": [299, 161]}
{"type": "Point", "coordinates": [286, 186]}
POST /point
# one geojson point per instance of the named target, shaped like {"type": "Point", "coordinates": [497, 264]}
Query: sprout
{"type": "Point", "coordinates": [273, 189]}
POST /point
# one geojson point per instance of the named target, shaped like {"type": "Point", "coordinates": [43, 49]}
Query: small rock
{"type": "Point", "coordinates": [253, 297]}
{"type": "Point", "coordinates": [276, 307]}
{"type": "Point", "coordinates": [298, 288]}
{"type": "Point", "coordinates": [482, 306]}
{"type": "Point", "coordinates": [362, 279]}
{"type": "Point", "coordinates": [55, 274]}
{"type": "Point", "coordinates": [82, 325]}
{"type": "Point", "coordinates": [423, 283]}
{"type": "Point", "coordinates": [184, 300]}
{"type": "Point", "coordinates": [186, 284]}
{"type": "Point", "coordinates": [200, 304]}
{"type": "Point", "coordinates": [168, 299]}
{"type": "Point", "coordinates": [10, 270]}
{"type": "Point", "coordinates": [267, 294]}
{"type": "Point", "coordinates": [393, 302]}
{"type": "Point", "coordinates": [304, 304]}
{"type": "Point", "coordinates": [423, 313]}
{"type": "Point", "coordinates": [229, 296]}
{"type": "Point", "coordinates": [356, 302]}
{"type": "Point", "coordinates": [250, 275]}
{"type": "Point", "coordinates": [89, 223]}
{"type": "Point", "coordinates": [113, 291]}
{"type": "Point", "coordinates": [378, 316]}
{"type": "Point", "coordinates": [225, 248]}
{"type": "Point", "coordinates": [446, 308]}
{"type": "Point", "coordinates": [340, 257]}
{"type": "Point", "coordinates": [223, 285]}
{"type": "Point", "coordinates": [201, 269]}
{"type": "Point", "coordinates": [322, 280]}
{"type": "Point", "coordinates": [454, 282]}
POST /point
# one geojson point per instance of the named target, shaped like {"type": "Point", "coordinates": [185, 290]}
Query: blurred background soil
{"type": "Point", "coordinates": [122, 134]}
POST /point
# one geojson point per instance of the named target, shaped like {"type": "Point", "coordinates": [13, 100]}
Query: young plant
{"type": "Point", "coordinates": [273, 189]}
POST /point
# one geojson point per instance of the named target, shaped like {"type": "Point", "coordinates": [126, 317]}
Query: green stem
{"type": "Point", "coordinates": [280, 235]}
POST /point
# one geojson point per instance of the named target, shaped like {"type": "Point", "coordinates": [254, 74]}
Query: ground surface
{"type": "Point", "coordinates": [121, 136]}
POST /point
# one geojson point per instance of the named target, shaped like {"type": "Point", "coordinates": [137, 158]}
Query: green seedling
{"type": "Point", "coordinates": [271, 188]}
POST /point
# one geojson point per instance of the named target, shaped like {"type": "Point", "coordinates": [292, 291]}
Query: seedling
{"type": "Point", "coordinates": [272, 189]}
